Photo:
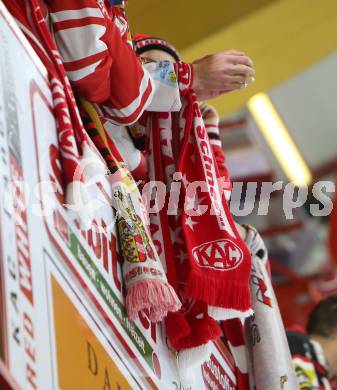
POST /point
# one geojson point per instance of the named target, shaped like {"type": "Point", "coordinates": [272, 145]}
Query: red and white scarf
{"type": "Point", "coordinates": [31, 18]}
{"type": "Point", "coordinates": [146, 285]}
{"type": "Point", "coordinates": [234, 333]}
{"type": "Point", "coordinates": [270, 363]}
{"type": "Point", "coordinates": [259, 344]}
{"type": "Point", "coordinates": [207, 262]}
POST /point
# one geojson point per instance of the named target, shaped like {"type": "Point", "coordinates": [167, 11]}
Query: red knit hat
{"type": "Point", "coordinates": [143, 43]}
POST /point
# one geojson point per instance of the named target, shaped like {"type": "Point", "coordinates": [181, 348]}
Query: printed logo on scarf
{"type": "Point", "coordinates": [262, 288]}
{"type": "Point", "coordinates": [261, 291]}
{"type": "Point", "coordinates": [221, 255]}
{"type": "Point", "coordinates": [135, 243]}
{"type": "Point", "coordinates": [214, 375]}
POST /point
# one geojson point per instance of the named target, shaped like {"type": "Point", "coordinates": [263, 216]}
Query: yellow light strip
{"type": "Point", "coordinates": [279, 139]}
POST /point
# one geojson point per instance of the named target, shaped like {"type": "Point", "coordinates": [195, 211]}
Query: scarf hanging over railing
{"type": "Point", "coordinates": [144, 277]}
{"type": "Point", "coordinates": [71, 136]}
{"type": "Point", "coordinates": [206, 261]}
{"type": "Point", "coordinates": [270, 362]}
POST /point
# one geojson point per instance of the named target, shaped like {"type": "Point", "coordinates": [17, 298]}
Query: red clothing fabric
{"type": "Point", "coordinates": [102, 66]}
{"type": "Point", "coordinates": [235, 336]}
{"type": "Point", "coordinates": [31, 18]}
{"type": "Point", "coordinates": [93, 39]}
{"type": "Point", "coordinates": [220, 261]}
{"type": "Point", "coordinates": [206, 266]}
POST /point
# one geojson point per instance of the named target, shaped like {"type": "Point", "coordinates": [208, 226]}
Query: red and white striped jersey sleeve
{"type": "Point", "coordinates": [99, 61]}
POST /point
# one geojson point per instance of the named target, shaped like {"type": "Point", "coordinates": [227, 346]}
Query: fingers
{"type": "Point", "coordinates": [240, 69]}
{"type": "Point", "coordinates": [235, 86]}
{"type": "Point", "coordinates": [236, 79]}
{"type": "Point", "coordinates": [209, 114]}
{"type": "Point", "coordinates": [235, 82]}
{"type": "Point", "coordinates": [240, 82]}
{"type": "Point", "coordinates": [238, 59]}
{"type": "Point", "coordinates": [229, 85]}
{"type": "Point", "coordinates": [204, 107]}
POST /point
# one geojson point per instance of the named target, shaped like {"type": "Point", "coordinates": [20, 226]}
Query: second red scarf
{"type": "Point", "coordinates": [206, 261]}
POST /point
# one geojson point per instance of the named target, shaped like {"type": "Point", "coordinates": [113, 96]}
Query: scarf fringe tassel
{"type": "Point", "coordinates": [232, 295]}
{"type": "Point", "coordinates": [155, 295]}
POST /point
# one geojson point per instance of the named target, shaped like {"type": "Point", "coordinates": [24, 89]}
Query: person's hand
{"type": "Point", "coordinates": [209, 115]}
{"type": "Point", "coordinates": [221, 73]}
